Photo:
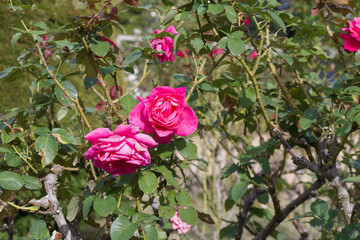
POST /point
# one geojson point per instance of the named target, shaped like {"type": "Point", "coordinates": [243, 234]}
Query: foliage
{"type": "Point", "coordinates": [276, 131]}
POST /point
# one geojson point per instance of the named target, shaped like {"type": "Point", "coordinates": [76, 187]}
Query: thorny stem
{"type": "Point", "coordinates": [196, 81]}
{"type": "Point", "coordinates": [145, 74]}
{"type": "Point", "coordinates": [24, 159]}
{"type": "Point", "coordinates": [276, 75]}
{"type": "Point", "coordinates": [257, 91]}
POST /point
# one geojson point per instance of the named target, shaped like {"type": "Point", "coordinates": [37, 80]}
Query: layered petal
{"type": "Point", "coordinates": [138, 117]}
{"type": "Point", "coordinates": [93, 136]}
{"type": "Point", "coordinates": [189, 123]}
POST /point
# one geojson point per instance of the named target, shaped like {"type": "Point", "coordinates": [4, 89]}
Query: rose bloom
{"type": "Point", "coordinates": [247, 21]}
{"type": "Point", "coordinates": [254, 54]}
{"type": "Point", "coordinates": [164, 44]}
{"type": "Point", "coordinates": [216, 51]}
{"type": "Point", "coordinates": [352, 39]}
{"type": "Point", "coordinates": [164, 113]}
{"type": "Point", "coordinates": [178, 224]}
{"type": "Point", "coordinates": [119, 152]}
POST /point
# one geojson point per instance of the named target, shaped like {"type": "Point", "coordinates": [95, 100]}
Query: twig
{"type": "Point", "coordinates": [275, 221]}
{"type": "Point", "coordinates": [248, 202]}
{"type": "Point", "coordinates": [24, 159]}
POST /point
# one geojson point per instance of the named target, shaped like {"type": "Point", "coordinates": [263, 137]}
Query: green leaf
{"type": "Point", "coordinates": [215, 8]}
{"type": "Point", "coordinates": [183, 198]}
{"type": "Point", "coordinates": [236, 46]}
{"type": "Point", "coordinates": [165, 150]}
{"type": "Point", "coordinates": [128, 102]}
{"type": "Point", "coordinates": [15, 38]}
{"type": "Point", "coordinates": [197, 44]}
{"type": "Point", "coordinates": [264, 163]}
{"type": "Point", "coordinates": [169, 16]}
{"type": "Point", "coordinates": [144, 217]}
{"type": "Point", "coordinates": [72, 208]}
{"type": "Point", "coordinates": [305, 123]}
{"type": "Point", "coordinates": [166, 212]}
{"type": "Point", "coordinates": [37, 228]}
{"type": "Point", "coordinates": [62, 135]}
{"type": "Point", "coordinates": [122, 229]}
{"type": "Point", "coordinates": [87, 206]}
{"type": "Point", "coordinates": [311, 114]}
{"type": "Point", "coordinates": [79, 4]}
{"type": "Point", "coordinates": [150, 232]}
{"type": "Point", "coordinates": [206, 218]}
{"type": "Point", "coordinates": [342, 127]}
{"type": "Point", "coordinates": [238, 190]}
{"type": "Point", "coordinates": [168, 175]}
{"type": "Point", "coordinates": [89, 82]}
{"type": "Point", "coordinates": [132, 57]}
{"type": "Point", "coordinates": [70, 88]}
{"type": "Point", "coordinates": [99, 48]}
{"type": "Point", "coordinates": [11, 180]}
{"type": "Point", "coordinates": [186, 148]}
{"type": "Point", "coordinates": [148, 182]}
{"type": "Point", "coordinates": [104, 207]}
{"type": "Point", "coordinates": [188, 215]}
{"type": "Point", "coordinates": [47, 148]}
{"type": "Point", "coordinates": [352, 179]}
{"type": "Point", "coordinates": [6, 138]}
{"type": "Point", "coordinates": [288, 59]}
{"type": "Point", "coordinates": [8, 72]}
{"type": "Point", "coordinates": [32, 183]}
{"type": "Point", "coordinates": [223, 42]}
{"type": "Point", "coordinates": [228, 169]}
{"type": "Point", "coordinates": [61, 113]}
{"type": "Point", "coordinates": [230, 13]}
{"type": "Point", "coordinates": [276, 19]}
{"type": "Point", "coordinates": [12, 159]}
{"type": "Point", "coordinates": [320, 208]}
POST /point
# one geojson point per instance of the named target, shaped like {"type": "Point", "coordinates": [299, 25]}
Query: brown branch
{"type": "Point", "coordinates": [275, 221]}
{"type": "Point", "coordinates": [248, 202]}
{"type": "Point", "coordinates": [51, 203]}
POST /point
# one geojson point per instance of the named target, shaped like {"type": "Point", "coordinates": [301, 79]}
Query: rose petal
{"type": "Point", "coordinates": [93, 136]}
{"type": "Point", "coordinates": [126, 130]}
{"type": "Point", "coordinates": [188, 124]}
{"type": "Point", "coordinates": [145, 139]}
{"type": "Point", "coordinates": [138, 118]}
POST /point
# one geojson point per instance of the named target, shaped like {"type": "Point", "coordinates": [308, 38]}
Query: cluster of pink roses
{"type": "Point", "coordinates": [125, 150]}
{"type": "Point", "coordinates": [163, 113]}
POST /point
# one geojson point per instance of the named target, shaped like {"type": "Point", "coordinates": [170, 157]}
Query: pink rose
{"type": "Point", "coordinates": [164, 113]}
{"type": "Point", "coordinates": [247, 21]}
{"type": "Point", "coordinates": [178, 224]}
{"type": "Point", "coordinates": [254, 54]}
{"type": "Point", "coordinates": [119, 152]}
{"type": "Point", "coordinates": [216, 51]}
{"type": "Point", "coordinates": [164, 44]}
{"type": "Point", "coordinates": [352, 40]}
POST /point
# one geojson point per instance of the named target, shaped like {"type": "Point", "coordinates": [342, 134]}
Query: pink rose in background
{"type": "Point", "coordinates": [254, 54]}
{"type": "Point", "coordinates": [216, 51]}
{"type": "Point", "coordinates": [119, 152]}
{"type": "Point", "coordinates": [352, 39]}
{"type": "Point", "coordinates": [164, 44]}
{"type": "Point", "coordinates": [247, 21]}
{"type": "Point", "coordinates": [164, 113]}
{"type": "Point", "coordinates": [180, 54]}
{"type": "Point", "coordinates": [178, 224]}
{"type": "Point", "coordinates": [108, 40]}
